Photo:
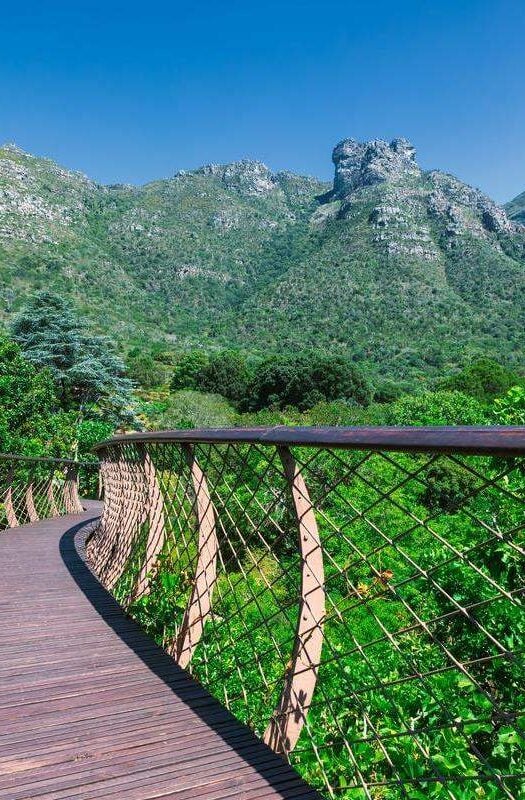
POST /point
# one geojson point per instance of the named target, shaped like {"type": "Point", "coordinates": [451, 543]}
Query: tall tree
{"type": "Point", "coordinates": [31, 421]}
{"type": "Point", "coordinates": [87, 372]}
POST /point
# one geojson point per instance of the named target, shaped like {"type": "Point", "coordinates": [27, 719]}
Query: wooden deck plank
{"type": "Point", "coordinates": [92, 708]}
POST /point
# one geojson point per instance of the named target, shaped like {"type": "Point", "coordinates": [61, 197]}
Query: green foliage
{"type": "Point", "coordinates": [226, 373]}
{"type": "Point", "coordinates": [484, 379]}
{"type": "Point", "coordinates": [189, 409]}
{"type": "Point", "coordinates": [306, 379]}
{"type": "Point", "coordinates": [143, 369]}
{"type": "Point", "coordinates": [85, 369]}
{"type": "Point", "coordinates": [188, 370]}
{"type": "Point", "coordinates": [89, 432]}
{"type": "Point", "coordinates": [436, 408]}
{"type": "Point", "coordinates": [510, 409]}
{"type": "Point", "coordinates": [32, 421]}
{"type": "Point", "coordinates": [27, 402]}
{"type": "Point", "coordinates": [447, 487]}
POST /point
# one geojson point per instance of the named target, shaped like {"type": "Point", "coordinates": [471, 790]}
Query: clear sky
{"type": "Point", "coordinates": [129, 92]}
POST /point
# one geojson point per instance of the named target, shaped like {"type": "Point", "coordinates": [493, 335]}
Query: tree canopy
{"type": "Point", "coordinates": [304, 379]}
{"type": "Point", "coordinates": [484, 379]}
{"type": "Point", "coordinates": [86, 371]}
{"type": "Point", "coordinates": [31, 421]}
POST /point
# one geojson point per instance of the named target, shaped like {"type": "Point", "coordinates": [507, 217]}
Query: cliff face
{"type": "Point", "coordinates": [407, 269]}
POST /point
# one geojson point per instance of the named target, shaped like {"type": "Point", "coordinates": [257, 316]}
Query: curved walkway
{"type": "Point", "coordinates": [91, 708]}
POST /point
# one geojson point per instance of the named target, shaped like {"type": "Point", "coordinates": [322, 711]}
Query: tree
{"type": "Point", "coordinates": [87, 373]}
{"type": "Point", "coordinates": [436, 408]}
{"type": "Point", "coordinates": [484, 379]}
{"type": "Point", "coordinates": [226, 373]}
{"type": "Point", "coordinates": [510, 409]}
{"type": "Point", "coordinates": [31, 421]}
{"type": "Point", "coordinates": [188, 370]}
{"type": "Point", "coordinates": [306, 379]}
{"type": "Point", "coordinates": [144, 370]}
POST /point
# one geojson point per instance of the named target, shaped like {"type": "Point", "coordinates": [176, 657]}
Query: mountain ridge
{"type": "Point", "coordinates": [406, 269]}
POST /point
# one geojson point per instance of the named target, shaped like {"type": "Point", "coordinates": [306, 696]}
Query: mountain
{"type": "Point", "coordinates": [406, 270]}
{"type": "Point", "coordinates": [516, 208]}
{"type": "Point", "coordinates": [165, 257]}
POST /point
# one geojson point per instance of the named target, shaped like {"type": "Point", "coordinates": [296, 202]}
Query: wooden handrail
{"type": "Point", "coordinates": [490, 440]}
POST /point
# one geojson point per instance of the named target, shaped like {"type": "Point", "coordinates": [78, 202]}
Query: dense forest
{"type": "Point", "coordinates": [64, 387]}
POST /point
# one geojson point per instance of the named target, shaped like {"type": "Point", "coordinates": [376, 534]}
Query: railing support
{"type": "Point", "coordinates": [10, 512]}
{"type": "Point", "coordinates": [30, 503]}
{"type": "Point", "coordinates": [205, 576]}
{"type": "Point", "coordinates": [154, 513]}
{"type": "Point", "coordinates": [71, 498]}
{"type": "Point", "coordinates": [53, 510]}
{"type": "Point", "coordinates": [288, 719]}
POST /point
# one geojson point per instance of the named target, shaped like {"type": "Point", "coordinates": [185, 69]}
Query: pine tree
{"type": "Point", "coordinates": [88, 374]}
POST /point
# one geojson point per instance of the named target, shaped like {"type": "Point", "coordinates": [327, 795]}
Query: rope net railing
{"type": "Point", "coordinates": [360, 607]}
{"type": "Point", "coordinates": [33, 489]}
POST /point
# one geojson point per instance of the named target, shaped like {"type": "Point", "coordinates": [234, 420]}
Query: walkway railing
{"type": "Point", "coordinates": [356, 596]}
{"type": "Point", "coordinates": [32, 489]}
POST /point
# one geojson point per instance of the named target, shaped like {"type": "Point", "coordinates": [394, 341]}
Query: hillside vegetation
{"type": "Point", "coordinates": [409, 273]}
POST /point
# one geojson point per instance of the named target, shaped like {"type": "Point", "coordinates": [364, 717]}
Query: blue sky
{"type": "Point", "coordinates": [128, 92]}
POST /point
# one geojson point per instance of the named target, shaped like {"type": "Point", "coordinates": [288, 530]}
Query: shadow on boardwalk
{"type": "Point", "coordinates": [221, 748]}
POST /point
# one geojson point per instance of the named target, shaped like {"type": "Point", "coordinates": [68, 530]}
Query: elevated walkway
{"type": "Point", "coordinates": [91, 707]}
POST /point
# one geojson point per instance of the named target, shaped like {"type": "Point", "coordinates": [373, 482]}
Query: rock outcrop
{"type": "Point", "coordinates": [415, 212]}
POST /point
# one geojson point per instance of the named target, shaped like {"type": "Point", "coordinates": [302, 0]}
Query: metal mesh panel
{"type": "Point", "coordinates": [361, 610]}
{"type": "Point", "coordinates": [32, 489]}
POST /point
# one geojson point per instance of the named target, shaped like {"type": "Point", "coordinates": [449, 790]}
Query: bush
{"type": "Point", "coordinates": [144, 370]}
{"type": "Point", "coordinates": [436, 408]}
{"type": "Point", "coordinates": [484, 379]}
{"type": "Point", "coordinates": [188, 370]}
{"type": "Point", "coordinates": [304, 380]}
{"type": "Point", "coordinates": [448, 486]}
{"type": "Point", "coordinates": [189, 409]}
{"type": "Point", "coordinates": [226, 373]}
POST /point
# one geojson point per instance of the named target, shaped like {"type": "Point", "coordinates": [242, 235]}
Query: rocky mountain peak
{"type": "Point", "coordinates": [246, 176]}
{"type": "Point", "coordinates": [11, 147]}
{"type": "Point", "coordinates": [410, 201]}
{"type": "Point", "coordinates": [359, 164]}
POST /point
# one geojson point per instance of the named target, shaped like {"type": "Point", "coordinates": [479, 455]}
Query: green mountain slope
{"type": "Point", "coordinates": [165, 258]}
{"type": "Point", "coordinates": [516, 208]}
{"type": "Point", "coordinates": [411, 270]}
{"type": "Point", "coordinates": [408, 270]}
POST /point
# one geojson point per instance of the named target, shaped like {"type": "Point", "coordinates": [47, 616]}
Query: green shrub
{"type": "Point", "coordinates": [305, 379]}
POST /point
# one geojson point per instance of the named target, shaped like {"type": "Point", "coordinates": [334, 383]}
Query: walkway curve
{"type": "Point", "coordinates": [91, 708]}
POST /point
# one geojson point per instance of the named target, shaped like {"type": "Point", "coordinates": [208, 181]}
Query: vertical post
{"type": "Point", "coordinates": [199, 604]}
{"type": "Point", "coordinates": [30, 503]}
{"type": "Point", "coordinates": [71, 498]}
{"type": "Point", "coordinates": [288, 719]}
{"type": "Point", "coordinates": [10, 512]}
{"type": "Point", "coordinates": [53, 510]}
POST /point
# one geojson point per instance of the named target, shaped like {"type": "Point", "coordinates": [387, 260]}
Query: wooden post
{"type": "Point", "coordinates": [287, 721]}
{"type": "Point", "coordinates": [199, 604]}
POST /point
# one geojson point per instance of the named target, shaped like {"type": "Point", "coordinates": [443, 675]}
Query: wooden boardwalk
{"type": "Point", "coordinates": [91, 708]}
